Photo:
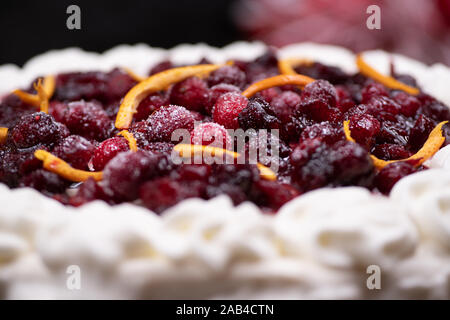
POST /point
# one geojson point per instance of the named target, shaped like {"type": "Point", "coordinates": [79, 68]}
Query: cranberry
{"type": "Point", "coordinates": [36, 128]}
{"type": "Point", "coordinates": [344, 99]}
{"type": "Point", "coordinates": [107, 150]}
{"type": "Point", "coordinates": [118, 84]}
{"type": "Point", "coordinates": [284, 105]}
{"type": "Point", "coordinates": [390, 174]}
{"type": "Point", "coordinates": [227, 109]}
{"type": "Point", "coordinates": [125, 172]}
{"type": "Point", "coordinates": [319, 102]}
{"type": "Point", "coordinates": [44, 181]}
{"type": "Point", "coordinates": [162, 193]}
{"type": "Point", "coordinates": [211, 134]}
{"type": "Point", "coordinates": [193, 172]}
{"type": "Point", "coordinates": [150, 104]}
{"type": "Point", "coordinates": [373, 90]}
{"type": "Point", "coordinates": [87, 119]}
{"type": "Point", "coordinates": [419, 132]}
{"type": "Point", "coordinates": [257, 115]}
{"type": "Point", "coordinates": [269, 94]}
{"type": "Point", "coordinates": [273, 194]}
{"type": "Point", "coordinates": [324, 130]}
{"type": "Point", "coordinates": [216, 91]}
{"type": "Point", "coordinates": [164, 121]}
{"type": "Point", "coordinates": [75, 150]}
{"type": "Point", "coordinates": [228, 75]}
{"type": "Point", "coordinates": [319, 71]}
{"type": "Point", "coordinates": [162, 147]}
{"type": "Point", "coordinates": [160, 67]}
{"type": "Point", "coordinates": [364, 128]}
{"type": "Point", "coordinates": [387, 151]}
{"type": "Point", "coordinates": [191, 93]}
{"type": "Point", "coordinates": [88, 191]}
{"type": "Point", "coordinates": [408, 104]}
{"type": "Point", "coordinates": [12, 109]}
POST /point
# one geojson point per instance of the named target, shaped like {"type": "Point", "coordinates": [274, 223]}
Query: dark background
{"type": "Point", "coordinates": [32, 27]}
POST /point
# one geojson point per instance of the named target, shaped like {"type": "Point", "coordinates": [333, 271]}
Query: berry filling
{"type": "Point", "coordinates": [312, 127]}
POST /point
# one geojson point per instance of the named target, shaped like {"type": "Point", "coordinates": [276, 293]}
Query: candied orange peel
{"type": "Point", "coordinates": [63, 169]}
{"type": "Point", "coordinates": [3, 135]}
{"type": "Point", "coordinates": [47, 88]}
{"type": "Point", "coordinates": [186, 150]}
{"type": "Point", "coordinates": [429, 148]}
{"type": "Point", "coordinates": [286, 66]}
{"type": "Point", "coordinates": [276, 81]}
{"type": "Point", "coordinates": [388, 81]}
{"type": "Point", "coordinates": [157, 82]}
{"type": "Point", "coordinates": [130, 138]}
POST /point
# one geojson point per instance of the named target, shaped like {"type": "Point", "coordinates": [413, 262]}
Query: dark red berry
{"type": "Point", "coordinates": [228, 75]}
{"type": "Point", "coordinates": [107, 150]}
{"type": "Point", "coordinates": [192, 93]}
{"type": "Point", "coordinates": [75, 150]}
{"type": "Point", "coordinates": [164, 121]}
{"type": "Point", "coordinates": [391, 174]}
{"type": "Point", "coordinates": [227, 109]}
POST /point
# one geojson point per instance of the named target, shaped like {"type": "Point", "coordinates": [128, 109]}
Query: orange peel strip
{"type": "Point", "coordinates": [186, 150]}
{"type": "Point", "coordinates": [3, 135]}
{"type": "Point", "coordinates": [48, 87]}
{"type": "Point", "coordinates": [63, 169]}
{"type": "Point", "coordinates": [286, 66]}
{"type": "Point", "coordinates": [157, 82]}
{"type": "Point", "coordinates": [276, 81]}
{"type": "Point", "coordinates": [388, 81]}
{"type": "Point", "coordinates": [429, 148]}
{"type": "Point", "coordinates": [43, 97]}
{"type": "Point", "coordinates": [130, 138]}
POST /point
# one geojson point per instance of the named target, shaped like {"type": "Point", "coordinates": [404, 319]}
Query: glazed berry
{"type": "Point", "coordinates": [149, 105]}
{"type": "Point", "coordinates": [227, 109]}
{"type": "Point", "coordinates": [320, 71]}
{"type": "Point", "coordinates": [284, 105]}
{"type": "Point", "coordinates": [162, 193]}
{"type": "Point", "coordinates": [364, 128]}
{"type": "Point", "coordinates": [228, 75]}
{"type": "Point", "coordinates": [327, 132]}
{"type": "Point", "coordinates": [107, 150]}
{"type": "Point", "coordinates": [118, 84]}
{"type": "Point", "coordinates": [373, 90]}
{"type": "Point", "coordinates": [123, 175]}
{"type": "Point", "coordinates": [269, 94]}
{"type": "Point", "coordinates": [391, 174]}
{"type": "Point", "coordinates": [12, 109]}
{"type": "Point", "coordinates": [89, 191]}
{"type": "Point", "coordinates": [160, 67]}
{"type": "Point", "coordinates": [87, 119]}
{"type": "Point", "coordinates": [216, 91]}
{"type": "Point", "coordinates": [75, 150]}
{"type": "Point", "coordinates": [319, 102]}
{"type": "Point", "coordinates": [164, 121]}
{"type": "Point", "coordinates": [387, 151]}
{"type": "Point", "coordinates": [192, 93]}
{"type": "Point", "coordinates": [44, 181]}
{"type": "Point", "coordinates": [273, 194]}
{"type": "Point", "coordinates": [408, 104]}
{"type": "Point", "coordinates": [162, 147]}
{"type": "Point", "coordinates": [344, 99]}
{"type": "Point", "coordinates": [383, 108]}
{"type": "Point", "coordinates": [36, 128]}
{"type": "Point", "coordinates": [420, 131]}
{"type": "Point", "coordinates": [211, 134]}
{"type": "Point", "coordinates": [193, 172]}
{"type": "Point", "coordinates": [257, 115]}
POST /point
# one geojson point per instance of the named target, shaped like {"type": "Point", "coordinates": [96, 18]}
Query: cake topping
{"type": "Point", "coordinates": [430, 147]}
{"type": "Point", "coordinates": [63, 169]}
{"type": "Point", "coordinates": [157, 82]}
{"type": "Point", "coordinates": [187, 150]}
{"type": "Point", "coordinates": [46, 89]}
{"type": "Point", "coordinates": [388, 81]}
{"type": "Point", "coordinates": [130, 138]}
{"type": "Point", "coordinates": [277, 81]}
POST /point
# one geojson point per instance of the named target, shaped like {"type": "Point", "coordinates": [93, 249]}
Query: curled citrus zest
{"type": "Point", "coordinates": [43, 97]}
{"type": "Point", "coordinates": [286, 66]}
{"type": "Point", "coordinates": [63, 169]}
{"type": "Point", "coordinates": [186, 150]}
{"type": "Point", "coordinates": [130, 138]}
{"type": "Point", "coordinates": [429, 148]}
{"type": "Point", "coordinates": [157, 82]}
{"type": "Point", "coordinates": [388, 81]}
{"type": "Point", "coordinates": [48, 87]}
{"type": "Point", "coordinates": [3, 135]}
{"type": "Point", "coordinates": [134, 75]}
{"type": "Point", "coordinates": [276, 81]}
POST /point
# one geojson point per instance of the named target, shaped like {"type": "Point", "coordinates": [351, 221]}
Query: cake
{"type": "Point", "coordinates": [93, 189]}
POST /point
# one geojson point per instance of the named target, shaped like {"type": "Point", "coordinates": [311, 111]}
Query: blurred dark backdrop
{"type": "Point", "coordinates": [32, 27]}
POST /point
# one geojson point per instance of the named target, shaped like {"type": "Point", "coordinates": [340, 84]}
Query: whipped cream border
{"type": "Point", "coordinates": [318, 245]}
